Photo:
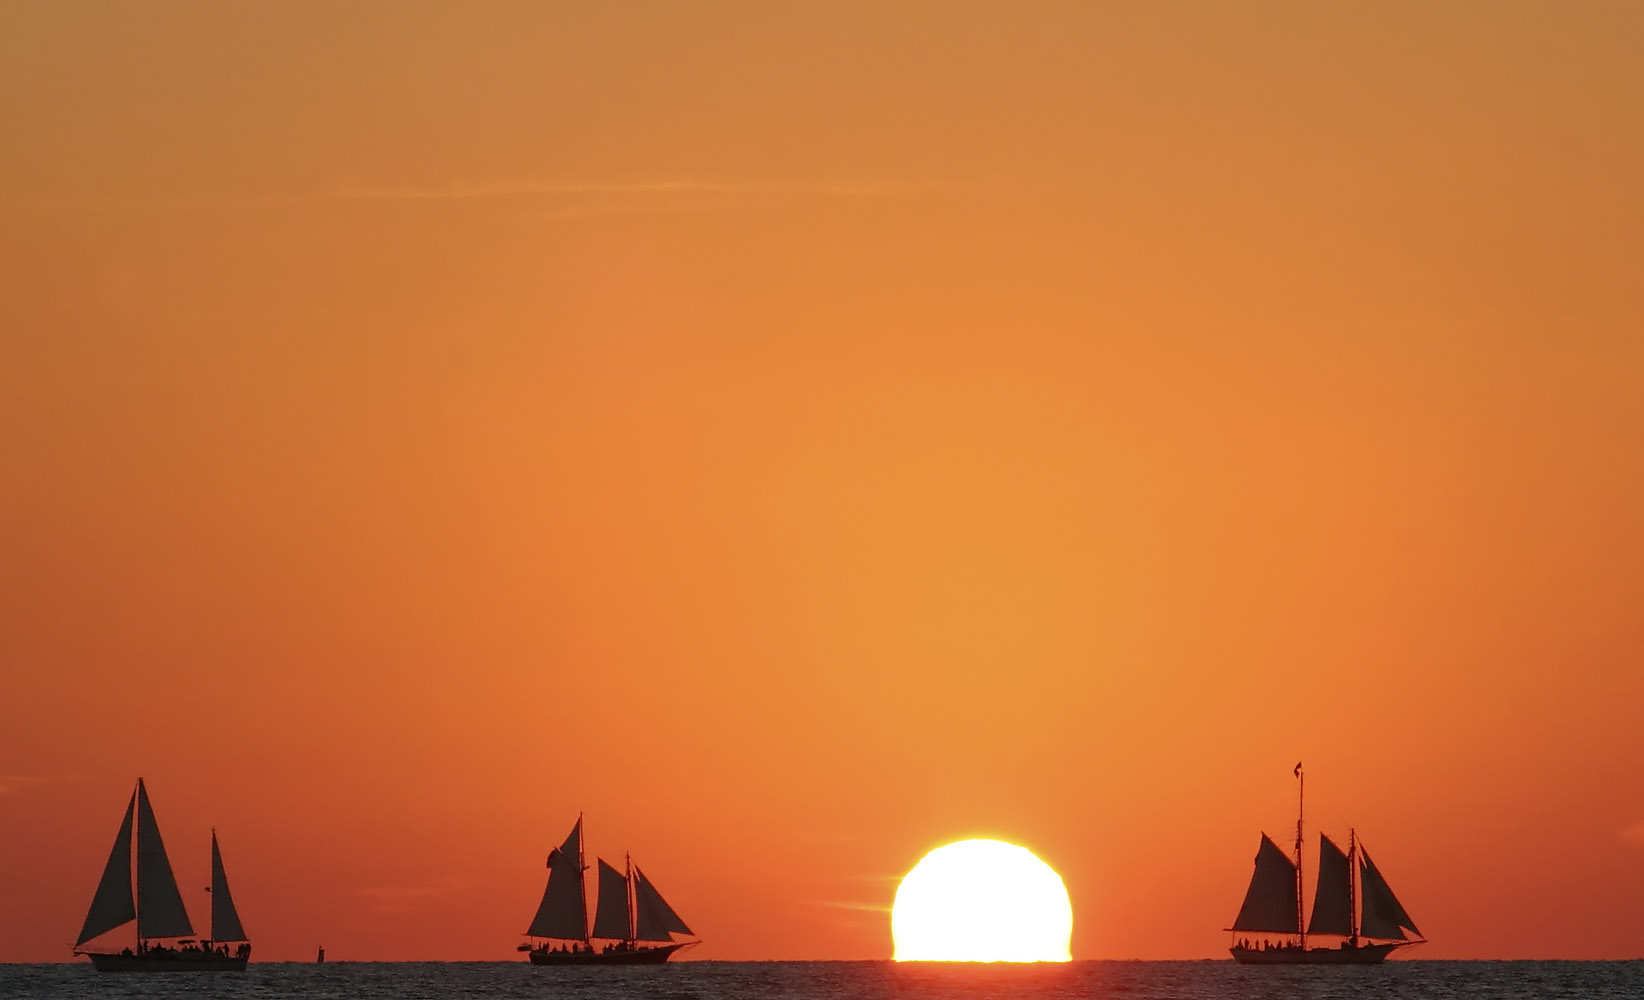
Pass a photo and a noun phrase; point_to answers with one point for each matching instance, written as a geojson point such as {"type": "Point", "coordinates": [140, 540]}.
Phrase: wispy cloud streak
{"type": "Point", "coordinates": [12, 784]}
{"type": "Point", "coordinates": [438, 887]}
{"type": "Point", "coordinates": [459, 190]}
{"type": "Point", "coordinates": [852, 905]}
{"type": "Point", "coordinates": [393, 899]}
{"type": "Point", "coordinates": [572, 198]}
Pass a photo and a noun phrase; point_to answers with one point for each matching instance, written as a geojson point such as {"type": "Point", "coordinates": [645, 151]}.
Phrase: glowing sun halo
{"type": "Point", "coordinates": [981, 901]}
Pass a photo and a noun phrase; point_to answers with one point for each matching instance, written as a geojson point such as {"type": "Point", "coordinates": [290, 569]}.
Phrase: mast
{"type": "Point", "coordinates": [1352, 899]}
{"type": "Point", "coordinates": [582, 883]}
{"type": "Point", "coordinates": [1301, 787]}
{"type": "Point", "coordinates": [137, 870]}
{"type": "Point", "coordinates": [633, 900]}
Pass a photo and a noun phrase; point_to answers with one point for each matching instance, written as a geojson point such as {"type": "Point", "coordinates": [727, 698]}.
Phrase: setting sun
{"type": "Point", "coordinates": [982, 901]}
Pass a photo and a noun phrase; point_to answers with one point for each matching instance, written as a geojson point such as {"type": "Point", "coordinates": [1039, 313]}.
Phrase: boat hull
{"type": "Point", "coordinates": [1368, 954]}
{"type": "Point", "coordinates": [173, 961]}
{"type": "Point", "coordinates": [635, 956]}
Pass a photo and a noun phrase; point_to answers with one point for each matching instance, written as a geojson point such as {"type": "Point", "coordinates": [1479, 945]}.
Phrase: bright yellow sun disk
{"type": "Point", "coordinates": [982, 901]}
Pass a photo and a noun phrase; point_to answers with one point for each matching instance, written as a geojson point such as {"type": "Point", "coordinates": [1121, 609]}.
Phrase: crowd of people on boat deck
{"type": "Point", "coordinates": [621, 946]}
{"type": "Point", "coordinates": [575, 947]}
{"type": "Point", "coordinates": [190, 949]}
{"type": "Point", "coordinates": [1263, 945]}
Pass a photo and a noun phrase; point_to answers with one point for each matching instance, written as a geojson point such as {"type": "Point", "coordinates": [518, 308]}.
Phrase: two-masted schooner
{"type": "Point", "coordinates": [633, 924]}
{"type": "Point", "coordinates": [165, 938]}
{"type": "Point", "coordinates": [1360, 917]}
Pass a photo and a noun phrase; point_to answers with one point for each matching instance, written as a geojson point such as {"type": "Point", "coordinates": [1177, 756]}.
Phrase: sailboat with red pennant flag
{"type": "Point", "coordinates": [1355, 912]}
{"type": "Point", "coordinates": [633, 924]}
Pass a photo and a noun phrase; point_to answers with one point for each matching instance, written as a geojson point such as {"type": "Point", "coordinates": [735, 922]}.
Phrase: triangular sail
{"type": "Point", "coordinates": [1381, 915]}
{"type": "Point", "coordinates": [1270, 902]}
{"type": "Point", "coordinates": [112, 905]}
{"type": "Point", "coordinates": [653, 917]}
{"type": "Point", "coordinates": [225, 920]}
{"type": "Point", "coordinates": [563, 912]}
{"type": "Point", "coordinates": [160, 912]}
{"type": "Point", "coordinates": [611, 912]}
{"type": "Point", "coordinates": [1332, 909]}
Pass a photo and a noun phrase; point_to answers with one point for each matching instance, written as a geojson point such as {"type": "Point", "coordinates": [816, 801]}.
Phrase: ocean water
{"type": "Point", "coordinates": [1219, 980]}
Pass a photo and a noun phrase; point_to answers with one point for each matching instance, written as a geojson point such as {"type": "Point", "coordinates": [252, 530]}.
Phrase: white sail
{"type": "Point", "coordinates": [1332, 909]}
{"type": "Point", "coordinates": [112, 905]}
{"type": "Point", "coordinates": [1270, 902]}
{"type": "Point", "coordinates": [563, 912]}
{"type": "Point", "coordinates": [653, 917]}
{"type": "Point", "coordinates": [1380, 915]}
{"type": "Point", "coordinates": [225, 920]}
{"type": "Point", "coordinates": [611, 912]}
{"type": "Point", "coordinates": [160, 912]}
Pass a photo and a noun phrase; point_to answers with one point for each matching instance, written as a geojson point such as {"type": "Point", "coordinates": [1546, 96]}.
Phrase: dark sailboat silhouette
{"type": "Point", "coordinates": [1361, 916]}
{"type": "Point", "coordinates": [632, 919]}
{"type": "Point", "coordinates": [157, 907]}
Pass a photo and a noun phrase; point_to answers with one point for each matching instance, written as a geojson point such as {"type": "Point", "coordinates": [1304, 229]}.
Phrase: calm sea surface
{"type": "Point", "coordinates": [1415, 980]}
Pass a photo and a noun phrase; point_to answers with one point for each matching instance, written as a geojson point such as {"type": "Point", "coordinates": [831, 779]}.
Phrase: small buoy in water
{"type": "Point", "coordinates": [321, 956]}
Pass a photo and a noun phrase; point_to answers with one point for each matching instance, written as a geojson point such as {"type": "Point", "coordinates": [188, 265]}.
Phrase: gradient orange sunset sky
{"type": "Point", "coordinates": [798, 435]}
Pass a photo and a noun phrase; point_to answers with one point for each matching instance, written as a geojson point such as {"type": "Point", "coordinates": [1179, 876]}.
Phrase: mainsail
{"type": "Point", "coordinates": [1332, 904]}
{"type": "Point", "coordinates": [653, 917]}
{"type": "Point", "coordinates": [225, 920]}
{"type": "Point", "coordinates": [563, 912]}
{"type": "Point", "coordinates": [1381, 916]}
{"type": "Point", "coordinates": [160, 912]}
{"type": "Point", "coordinates": [1270, 902]}
{"type": "Point", "coordinates": [112, 905]}
{"type": "Point", "coordinates": [611, 912]}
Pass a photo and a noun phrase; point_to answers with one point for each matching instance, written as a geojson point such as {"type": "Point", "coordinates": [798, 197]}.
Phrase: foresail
{"type": "Point", "coordinates": [1381, 915]}
{"type": "Point", "coordinates": [1270, 902]}
{"type": "Point", "coordinates": [160, 912]}
{"type": "Point", "coordinates": [1332, 909]}
{"type": "Point", "coordinates": [562, 912]}
{"type": "Point", "coordinates": [112, 905]}
{"type": "Point", "coordinates": [225, 920]}
{"type": "Point", "coordinates": [653, 917]}
{"type": "Point", "coordinates": [611, 912]}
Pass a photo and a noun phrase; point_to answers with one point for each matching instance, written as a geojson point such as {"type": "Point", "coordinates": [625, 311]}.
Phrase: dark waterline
{"type": "Point", "coordinates": [1219, 980]}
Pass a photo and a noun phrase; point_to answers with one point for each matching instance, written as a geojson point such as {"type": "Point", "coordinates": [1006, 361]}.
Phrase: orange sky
{"type": "Point", "coordinates": [799, 435]}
